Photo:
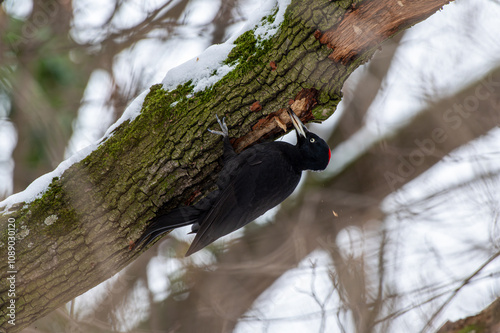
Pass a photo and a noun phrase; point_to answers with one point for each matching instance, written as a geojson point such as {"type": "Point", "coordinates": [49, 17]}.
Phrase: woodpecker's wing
{"type": "Point", "coordinates": [212, 226]}
{"type": "Point", "coordinates": [260, 178]}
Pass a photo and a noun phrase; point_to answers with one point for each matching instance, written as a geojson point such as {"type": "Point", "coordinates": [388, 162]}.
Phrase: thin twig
{"type": "Point", "coordinates": [455, 292]}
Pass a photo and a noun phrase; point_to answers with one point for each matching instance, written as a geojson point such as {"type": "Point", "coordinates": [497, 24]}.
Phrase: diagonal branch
{"type": "Point", "coordinates": [457, 290]}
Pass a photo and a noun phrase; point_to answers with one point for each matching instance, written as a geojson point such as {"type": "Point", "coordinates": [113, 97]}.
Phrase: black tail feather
{"type": "Point", "coordinates": [162, 224]}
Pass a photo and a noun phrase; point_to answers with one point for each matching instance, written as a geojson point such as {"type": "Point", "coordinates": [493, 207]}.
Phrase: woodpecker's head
{"type": "Point", "coordinates": [313, 149]}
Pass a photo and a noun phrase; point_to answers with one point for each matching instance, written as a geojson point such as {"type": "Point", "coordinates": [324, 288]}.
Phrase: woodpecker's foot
{"type": "Point", "coordinates": [223, 126]}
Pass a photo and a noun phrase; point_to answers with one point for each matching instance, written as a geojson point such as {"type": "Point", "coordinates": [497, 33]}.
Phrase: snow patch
{"type": "Point", "coordinates": [208, 68]}
{"type": "Point", "coordinates": [132, 111]}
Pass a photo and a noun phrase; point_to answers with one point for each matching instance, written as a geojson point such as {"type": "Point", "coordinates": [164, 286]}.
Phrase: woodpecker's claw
{"type": "Point", "coordinates": [222, 125]}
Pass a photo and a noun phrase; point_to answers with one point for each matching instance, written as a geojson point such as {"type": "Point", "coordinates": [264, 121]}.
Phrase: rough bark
{"type": "Point", "coordinates": [78, 233]}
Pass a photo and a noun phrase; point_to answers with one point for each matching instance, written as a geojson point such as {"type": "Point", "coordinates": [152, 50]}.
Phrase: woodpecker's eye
{"type": "Point", "coordinates": [311, 140]}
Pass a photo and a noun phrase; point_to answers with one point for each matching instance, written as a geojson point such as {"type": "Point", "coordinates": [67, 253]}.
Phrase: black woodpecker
{"type": "Point", "coordinates": [249, 184]}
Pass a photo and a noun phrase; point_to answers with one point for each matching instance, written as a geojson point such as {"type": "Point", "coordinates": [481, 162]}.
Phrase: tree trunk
{"type": "Point", "coordinates": [78, 233]}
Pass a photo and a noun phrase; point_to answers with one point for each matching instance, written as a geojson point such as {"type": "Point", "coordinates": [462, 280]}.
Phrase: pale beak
{"type": "Point", "coordinates": [299, 126]}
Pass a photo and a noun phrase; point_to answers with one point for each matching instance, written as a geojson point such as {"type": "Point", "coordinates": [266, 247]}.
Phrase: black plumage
{"type": "Point", "coordinates": [249, 184]}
